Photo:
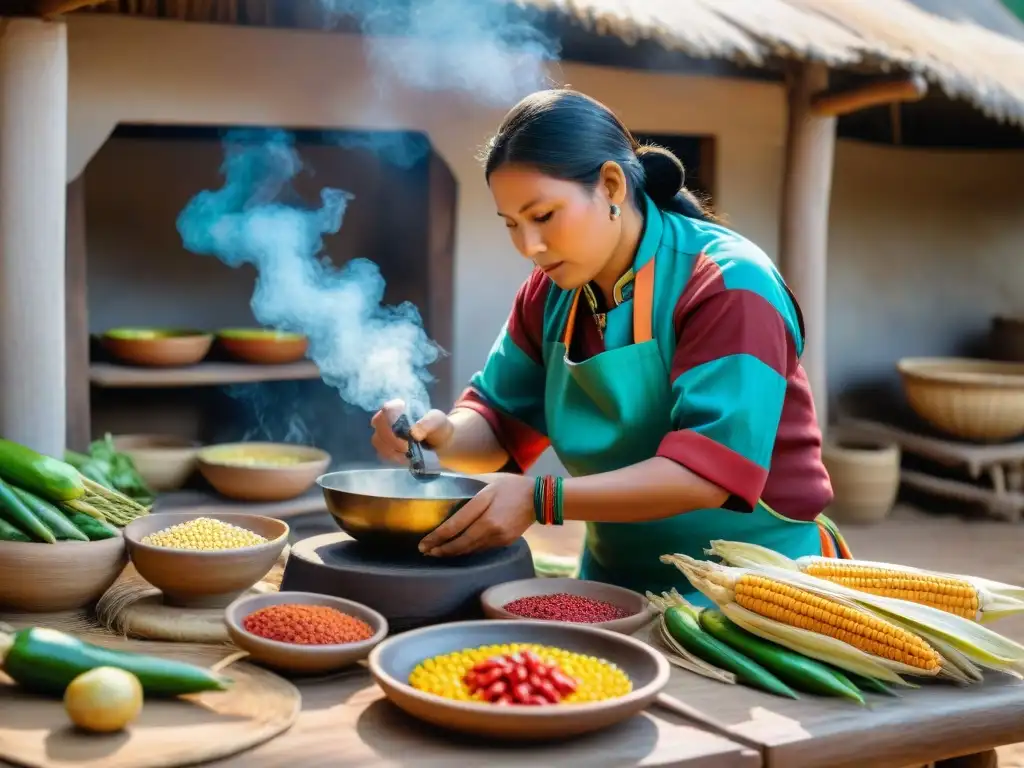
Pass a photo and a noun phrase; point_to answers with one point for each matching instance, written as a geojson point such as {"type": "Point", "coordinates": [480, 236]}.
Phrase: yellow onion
{"type": "Point", "coordinates": [104, 699]}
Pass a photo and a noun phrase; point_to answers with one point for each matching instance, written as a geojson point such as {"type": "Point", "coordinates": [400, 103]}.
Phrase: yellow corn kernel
{"type": "Point", "coordinates": [204, 534]}
{"type": "Point", "coordinates": [806, 610]}
{"type": "Point", "coordinates": [597, 680]}
{"type": "Point", "coordinates": [949, 594]}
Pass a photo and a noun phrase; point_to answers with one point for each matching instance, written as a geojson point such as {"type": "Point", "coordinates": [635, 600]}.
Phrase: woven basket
{"type": "Point", "coordinates": [980, 400]}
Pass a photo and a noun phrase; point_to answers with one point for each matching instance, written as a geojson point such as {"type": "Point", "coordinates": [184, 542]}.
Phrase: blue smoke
{"type": "Point", "coordinates": [484, 48]}
{"type": "Point", "coordinates": [368, 352]}
{"type": "Point", "coordinates": [399, 148]}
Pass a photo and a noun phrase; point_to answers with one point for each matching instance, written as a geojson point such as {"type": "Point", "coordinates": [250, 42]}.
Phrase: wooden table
{"type": "Point", "coordinates": [931, 723]}
{"type": "Point", "coordinates": [346, 721]}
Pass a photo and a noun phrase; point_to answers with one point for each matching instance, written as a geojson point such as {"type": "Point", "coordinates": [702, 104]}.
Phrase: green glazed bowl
{"type": "Point", "coordinates": [157, 347]}
{"type": "Point", "coordinates": [263, 346]}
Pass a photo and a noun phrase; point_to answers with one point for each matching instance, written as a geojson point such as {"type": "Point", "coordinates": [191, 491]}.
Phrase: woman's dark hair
{"type": "Point", "coordinates": [570, 136]}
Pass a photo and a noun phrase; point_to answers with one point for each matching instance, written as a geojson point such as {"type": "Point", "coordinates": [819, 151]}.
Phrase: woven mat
{"type": "Point", "coordinates": [134, 608]}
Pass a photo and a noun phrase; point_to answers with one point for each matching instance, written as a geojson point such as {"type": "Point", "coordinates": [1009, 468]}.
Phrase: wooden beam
{"type": "Point", "coordinates": [48, 8]}
{"type": "Point", "coordinates": [76, 326]}
{"type": "Point", "coordinates": [803, 230]}
{"type": "Point", "coordinates": [877, 93]}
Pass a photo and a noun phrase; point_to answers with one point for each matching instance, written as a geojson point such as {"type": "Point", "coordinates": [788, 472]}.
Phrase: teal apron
{"type": "Point", "coordinates": [613, 410]}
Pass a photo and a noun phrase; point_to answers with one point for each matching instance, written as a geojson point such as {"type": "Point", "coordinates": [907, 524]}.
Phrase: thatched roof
{"type": "Point", "coordinates": [970, 49]}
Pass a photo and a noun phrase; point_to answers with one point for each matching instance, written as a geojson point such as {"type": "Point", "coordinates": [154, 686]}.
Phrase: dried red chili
{"type": "Point", "coordinates": [565, 607]}
{"type": "Point", "coordinates": [306, 625]}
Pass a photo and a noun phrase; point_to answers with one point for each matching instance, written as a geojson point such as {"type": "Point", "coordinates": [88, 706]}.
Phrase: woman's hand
{"type": "Point", "coordinates": [495, 517]}
{"type": "Point", "coordinates": [434, 431]}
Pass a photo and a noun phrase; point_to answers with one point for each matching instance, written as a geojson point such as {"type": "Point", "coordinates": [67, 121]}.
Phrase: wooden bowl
{"type": "Point", "coordinates": [302, 659]}
{"type": "Point", "coordinates": [165, 462]}
{"type": "Point", "coordinates": [980, 400]}
{"type": "Point", "coordinates": [393, 661]}
{"type": "Point", "coordinates": [263, 346]}
{"type": "Point", "coordinates": [196, 579]}
{"type": "Point", "coordinates": [246, 471]}
{"type": "Point", "coordinates": [157, 347]}
{"type": "Point", "coordinates": [66, 576]}
{"type": "Point", "coordinates": [495, 598]}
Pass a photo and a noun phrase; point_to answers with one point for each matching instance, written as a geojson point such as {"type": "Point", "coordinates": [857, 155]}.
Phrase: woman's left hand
{"type": "Point", "coordinates": [495, 517]}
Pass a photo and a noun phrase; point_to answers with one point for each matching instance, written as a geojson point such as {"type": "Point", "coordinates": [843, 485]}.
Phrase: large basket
{"type": "Point", "coordinates": [981, 400]}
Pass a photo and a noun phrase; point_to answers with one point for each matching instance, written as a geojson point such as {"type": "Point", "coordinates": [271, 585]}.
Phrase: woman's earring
{"type": "Point", "coordinates": [614, 212]}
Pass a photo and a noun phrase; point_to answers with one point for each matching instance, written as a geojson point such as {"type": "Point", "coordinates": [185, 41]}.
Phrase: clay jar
{"type": "Point", "coordinates": [865, 479]}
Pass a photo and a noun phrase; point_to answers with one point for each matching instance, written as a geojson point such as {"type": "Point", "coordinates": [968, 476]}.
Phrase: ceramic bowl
{"type": "Point", "coordinates": [165, 462]}
{"type": "Point", "coordinates": [262, 346]}
{"type": "Point", "coordinates": [157, 347]}
{"type": "Point", "coordinates": [494, 599]}
{"type": "Point", "coordinates": [196, 579]}
{"type": "Point", "coordinates": [66, 576]}
{"type": "Point", "coordinates": [262, 472]}
{"type": "Point", "coordinates": [393, 661]}
{"type": "Point", "coordinates": [302, 659]}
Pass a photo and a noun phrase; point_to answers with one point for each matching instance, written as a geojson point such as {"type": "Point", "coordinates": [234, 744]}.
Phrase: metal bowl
{"type": "Point", "coordinates": [390, 508]}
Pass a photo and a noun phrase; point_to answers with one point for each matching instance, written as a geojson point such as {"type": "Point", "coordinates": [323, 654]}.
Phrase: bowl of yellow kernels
{"type": "Point", "coordinates": [518, 680]}
{"type": "Point", "coordinates": [204, 560]}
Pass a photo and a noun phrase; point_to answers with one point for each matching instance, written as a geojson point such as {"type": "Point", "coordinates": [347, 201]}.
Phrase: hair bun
{"type": "Point", "coordinates": [663, 173]}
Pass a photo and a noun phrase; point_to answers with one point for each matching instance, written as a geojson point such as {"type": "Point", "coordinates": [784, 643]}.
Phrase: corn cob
{"type": "Point", "coordinates": [965, 596]}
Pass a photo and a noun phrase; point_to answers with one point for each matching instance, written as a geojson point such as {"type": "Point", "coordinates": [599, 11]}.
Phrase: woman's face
{"type": "Point", "coordinates": [561, 226]}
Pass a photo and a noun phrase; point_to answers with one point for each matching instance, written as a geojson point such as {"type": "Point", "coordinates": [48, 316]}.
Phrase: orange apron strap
{"type": "Point", "coordinates": [570, 324]}
{"type": "Point", "coordinates": [832, 542]}
{"type": "Point", "coordinates": [643, 304]}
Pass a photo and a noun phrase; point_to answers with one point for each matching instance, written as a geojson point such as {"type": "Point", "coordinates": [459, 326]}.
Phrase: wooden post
{"type": "Point", "coordinates": [79, 410]}
{"type": "Point", "coordinates": [807, 188]}
{"type": "Point", "coordinates": [33, 167]}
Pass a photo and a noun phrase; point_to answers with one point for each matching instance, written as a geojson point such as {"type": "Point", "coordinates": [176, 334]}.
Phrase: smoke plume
{"type": "Point", "coordinates": [368, 351]}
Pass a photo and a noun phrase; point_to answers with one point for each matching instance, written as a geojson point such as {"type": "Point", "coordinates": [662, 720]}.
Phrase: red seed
{"type": "Point", "coordinates": [496, 691]}
{"type": "Point", "coordinates": [562, 606]}
{"type": "Point", "coordinates": [522, 693]}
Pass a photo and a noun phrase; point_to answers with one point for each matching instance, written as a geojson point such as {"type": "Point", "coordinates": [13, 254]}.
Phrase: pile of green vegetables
{"type": "Point", "coordinates": [705, 641]}
{"type": "Point", "coordinates": [43, 499]}
{"type": "Point", "coordinates": [115, 471]}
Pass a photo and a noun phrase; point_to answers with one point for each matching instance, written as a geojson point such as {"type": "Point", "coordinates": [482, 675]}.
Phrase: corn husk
{"type": "Point", "coordinates": [702, 574]}
{"type": "Point", "coordinates": [995, 599]}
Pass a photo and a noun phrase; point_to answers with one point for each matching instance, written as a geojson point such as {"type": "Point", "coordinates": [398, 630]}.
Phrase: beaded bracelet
{"type": "Point", "coordinates": [547, 500]}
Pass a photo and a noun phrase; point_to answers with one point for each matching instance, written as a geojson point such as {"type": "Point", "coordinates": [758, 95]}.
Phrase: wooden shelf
{"type": "Point", "coordinates": [111, 375]}
{"type": "Point", "coordinates": [310, 502]}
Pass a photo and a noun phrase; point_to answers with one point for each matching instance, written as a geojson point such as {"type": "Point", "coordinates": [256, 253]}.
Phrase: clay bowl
{"type": "Point", "coordinates": [66, 576]}
{"type": "Point", "coordinates": [302, 659]}
{"type": "Point", "coordinates": [165, 462]}
{"type": "Point", "coordinates": [263, 346]}
{"type": "Point", "coordinates": [194, 579]}
{"type": "Point", "coordinates": [493, 599]}
{"type": "Point", "coordinates": [157, 347]}
{"type": "Point", "coordinates": [393, 661]}
{"type": "Point", "coordinates": [389, 509]}
{"type": "Point", "coordinates": [262, 472]}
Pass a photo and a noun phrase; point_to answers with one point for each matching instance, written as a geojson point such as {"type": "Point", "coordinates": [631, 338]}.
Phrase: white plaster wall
{"type": "Point", "coordinates": [167, 72]}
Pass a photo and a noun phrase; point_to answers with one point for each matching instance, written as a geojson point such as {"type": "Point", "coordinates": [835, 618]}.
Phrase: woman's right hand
{"type": "Point", "coordinates": [433, 431]}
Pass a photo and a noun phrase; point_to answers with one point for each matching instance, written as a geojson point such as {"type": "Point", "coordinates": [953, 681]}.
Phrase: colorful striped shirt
{"type": "Point", "coordinates": [731, 335]}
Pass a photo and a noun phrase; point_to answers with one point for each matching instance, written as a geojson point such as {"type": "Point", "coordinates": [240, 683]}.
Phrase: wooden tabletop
{"type": "Point", "coordinates": [936, 721]}
{"type": "Point", "coordinates": [346, 721]}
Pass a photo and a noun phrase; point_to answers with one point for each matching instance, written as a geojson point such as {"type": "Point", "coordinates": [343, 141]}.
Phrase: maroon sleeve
{"type": "Point", "coordinates": [508, 393]}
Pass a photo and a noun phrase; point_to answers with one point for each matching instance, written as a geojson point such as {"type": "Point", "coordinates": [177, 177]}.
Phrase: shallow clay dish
{"type": "Point", "coordinates": [196, 579]}
{"type": "Point", "coordinates": [164, 461]}
{"type": "Point", "coordinates": [302, 659]}
{"type": "Point", "coordinates": [263, 346]}
{"type": "Point", "coordinates": [45, 578]}
{"type": "Point", "coordinates": [262, 471]}
{"type": "Point", "coordinates": [494, 599]}
{"type": "Point", "coordinates": [157, 347]}
{"type": "Point", "coordinates": [393, 661]}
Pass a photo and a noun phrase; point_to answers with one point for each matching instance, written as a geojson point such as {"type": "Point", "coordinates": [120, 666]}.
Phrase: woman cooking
{"type": "Point", "coordinates": [655, 350]}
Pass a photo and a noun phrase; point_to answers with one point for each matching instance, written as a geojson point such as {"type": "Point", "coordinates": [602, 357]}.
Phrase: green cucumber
{"type": "Point", "coordinates": [869, 684]}
{"type": "Point", "coordinates": [685, 629]}
{"type": "Point", "coordinates": [45, 476]}
{"type": "Point", "coordinates": [802, 673]}
{"type": "Point", "coordinates": [45, 661]}
{"type": "Point", "coordinates": [96, 530]}
{"type": "Point", "coordinates": [17, 513]}
{"type": "Point", "coordinates": [50, 516]}
{"type": "Point", "coordinates": [9, 533]}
